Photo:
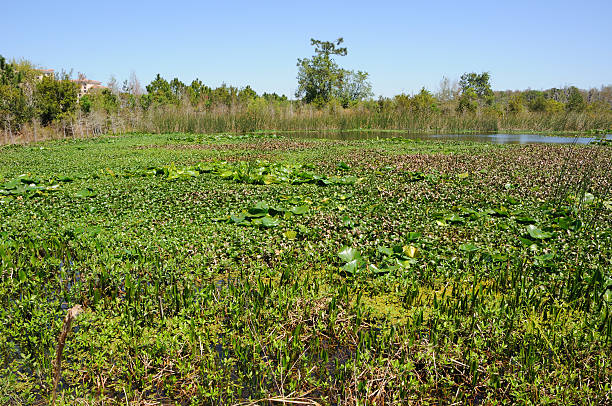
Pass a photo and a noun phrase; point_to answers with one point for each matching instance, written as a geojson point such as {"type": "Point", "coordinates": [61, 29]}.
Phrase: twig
{"type": "Point", "coordinates": [61, 341]}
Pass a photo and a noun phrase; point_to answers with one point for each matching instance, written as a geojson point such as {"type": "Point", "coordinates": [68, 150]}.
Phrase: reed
{"type": "Point", "coordinates": [297, 117]}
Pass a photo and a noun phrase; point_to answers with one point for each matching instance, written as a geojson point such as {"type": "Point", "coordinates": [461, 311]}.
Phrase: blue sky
{"type": "Point", "coordinates": [404, 45]}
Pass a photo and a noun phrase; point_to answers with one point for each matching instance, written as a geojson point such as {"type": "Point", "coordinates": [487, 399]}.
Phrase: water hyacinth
{"type": "Point", "coordinates": [336, 272]}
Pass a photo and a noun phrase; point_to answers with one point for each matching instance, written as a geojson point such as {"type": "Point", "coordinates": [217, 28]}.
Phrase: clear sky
{"type": "Point", "coordinates": [404, 45]}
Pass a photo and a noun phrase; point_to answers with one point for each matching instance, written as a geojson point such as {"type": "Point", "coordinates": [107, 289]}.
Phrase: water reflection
{"type": "Point", "coordinates": [494, 138]}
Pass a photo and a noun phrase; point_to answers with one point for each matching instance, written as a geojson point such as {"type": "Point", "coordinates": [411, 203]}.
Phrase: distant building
{"type": "Point", "coordinates": [85, 85]}
{"type": "Point", "coordinates": [45, 72]}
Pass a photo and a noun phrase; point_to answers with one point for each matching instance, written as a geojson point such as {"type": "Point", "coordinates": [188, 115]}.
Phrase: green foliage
{"type": "Point", "coordinates": [516, 104]}
{"type": "Point", "coordinates": [424, 101]}
{"type": "Point", "coordinates": [257, 173]}
{"type": "Point", "coordinates": [468, 101]}
{"type": "Point", "coordinates": [203, 284]}
{"type": "Point", "coordinates": [14, 109]}
{"type": "Point", "coordinates": [537, 104]}
{"type": "Point", "coordinates": [85, 103]}
{"type": "Point", "coordinates": [320, 78]}
{"type": "Point", "coordinates": [160, 92]}
{"type": "Point", "coordinates": [478, 83]}
{"type": "Point", "coordinates": [575, 102]}
{"type": "Point", "coordinates": [553, 106]}
{"type": "Point", "coordinates": [56, 99]}
{"type": "Point", "coordinates": [354, 87]}
{"type": "Point", "coordinates": [25, 102]}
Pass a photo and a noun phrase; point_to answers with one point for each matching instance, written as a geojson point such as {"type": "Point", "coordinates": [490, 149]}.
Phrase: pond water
{"type": "Point", "coordinates": [494, 138]}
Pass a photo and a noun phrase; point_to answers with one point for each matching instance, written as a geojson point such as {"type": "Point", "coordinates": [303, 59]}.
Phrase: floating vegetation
{"type": "Point", "coordinates": [370, 272]}
{"type": "Point", "coordinates": [27, 185]}
{"type": "Point", "coordinates": [256, 173]}
{"type": "Point", "coordinates": [263, 215]}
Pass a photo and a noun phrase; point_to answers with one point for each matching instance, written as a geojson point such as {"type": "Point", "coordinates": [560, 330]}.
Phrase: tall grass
{"type": "Point", "coordinates": [298, 117]}
{"type": "Point", "coordinates": [308, 118]}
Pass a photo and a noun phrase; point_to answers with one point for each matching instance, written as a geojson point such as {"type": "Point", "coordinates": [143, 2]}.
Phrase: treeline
{"type": "Point", "coordinates": [35, 106]}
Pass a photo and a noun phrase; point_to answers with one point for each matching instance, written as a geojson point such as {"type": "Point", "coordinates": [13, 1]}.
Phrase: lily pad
{"type": "Point", "coordinates": [413, 236]}
{"type": "Point", "coordinates": [468, 247]}
{"type": "Point", "coordinates": [85, 192]}
{"type": "Point", "coordinates": [348, 254]}
{"type": "Point", "coordinates": [270, 221]}
{"type": "Point", "coordinates": [537, 233]}
{"type": "Point", "coordinates": [385, 250]}
{"type": "Point", "coordinates": [299, 210]}
{"type": "Point", "coordinates": [525, 219]}
{"type": "Point", "coordinates": [410, 251]}
{"type": "Point", "coordinates": [351, 267]}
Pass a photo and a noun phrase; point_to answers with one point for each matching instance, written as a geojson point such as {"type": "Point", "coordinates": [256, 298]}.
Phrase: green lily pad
{"type": "Point", "coordinates": [545, 258]}
{"type": "Point", "coordinates": [588, 198]}
{"type": "Point", "coordinates": [537, 233]}
{"type": "Point", "coordinates": [413, 236]}
{"type": "Point", "coordinates": [385, 250]}
{"type": "Point", "coordinates": [85, 192]}
{"type": "Point", "coordinates": [501, 211]}
{"type": "Point", "coordinates": [410, 251]}
{"type": "Point", "coordinates": [270, 221]}
{"type": "Point", "coordinates": [468, 247]}
{"type": "Point", "coordinates": [351, 267]}
{"type": "Point", "coordinates": [299, 210]}
{"type": "Point", "coordinates": [348, 254]}
{"type": "Point", "coordinates": [237, 219]}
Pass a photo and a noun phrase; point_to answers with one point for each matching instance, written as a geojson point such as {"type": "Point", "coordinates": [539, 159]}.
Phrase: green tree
{"type": "Point", "coordinates": [159, 91]}
{"type": "Point", "coordinates": [245, 95]}
{"type": "Point", "coordinates": [424, 102]}
{"type": "Point", "coordinates": [14, 107]}
{"type": "Point", "coordinates": [319, 75]}
{"type": "Point", "coordinates": [178, 89]}
{"type": "Point", "coordinates": [480, 84]}
{"type": "Point", "coordinates": [55, 99]}
{"type": "Point", "coordinates": [105, 100]}
{"type": "Point", "coordinates": [198, 93]}
{"type": "Point", "coordinates": [553, 106]}
{"type": "Point", "coordinates": [575, 101]}
{"type": "Point", "coordinates": [516, 104]}
{"type": "Point", "coordinates": [354, 87]}
{"type": "Point", "coordinates": [224, 94]}
{"type": "Point", "coordinates": [273, 97]}
{"type": "Point", "coordinates": [85, 103]}
{"type": "Point", "coordinates": [538, 103]}
{"type": "Point", "coordinates": [468, 101]}
{"type": "Point", "coordinates": [320, 78]}
{"type": "Point", "coordinates": [475, 90]}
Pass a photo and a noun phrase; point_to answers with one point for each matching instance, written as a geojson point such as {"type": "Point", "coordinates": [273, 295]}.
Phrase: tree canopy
{"type": "Point", "coordinates": [321, 79]}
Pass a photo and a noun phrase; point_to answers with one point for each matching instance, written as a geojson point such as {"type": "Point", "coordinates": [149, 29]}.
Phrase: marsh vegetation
{"type": "Point", "coordinates": [224, 269]}
{"type": "Point", "coordinates": [36, 106]}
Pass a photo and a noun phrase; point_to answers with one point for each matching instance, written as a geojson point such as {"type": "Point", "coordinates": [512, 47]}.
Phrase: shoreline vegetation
{"type": "Point", "coordinates": [36, 106]}
{"type": "Point", "coordinates": [307, 119]}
